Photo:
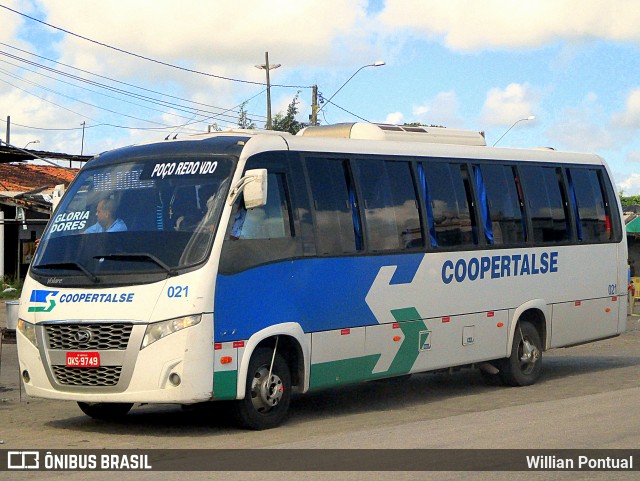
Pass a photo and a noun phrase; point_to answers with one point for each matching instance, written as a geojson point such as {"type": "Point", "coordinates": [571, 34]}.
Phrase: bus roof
{"type": "Point", "coordinates": [355, 138]}
{"type": "Point", "coordinates": [304, 142]}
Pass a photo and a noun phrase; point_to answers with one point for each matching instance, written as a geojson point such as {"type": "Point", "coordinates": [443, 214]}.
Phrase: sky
{"type": "Point", "coordinates": [85, 76]}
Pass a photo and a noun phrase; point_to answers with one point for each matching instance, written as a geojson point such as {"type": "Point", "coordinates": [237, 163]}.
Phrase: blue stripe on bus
{"type": "Point", "coordinates": [320, 294]}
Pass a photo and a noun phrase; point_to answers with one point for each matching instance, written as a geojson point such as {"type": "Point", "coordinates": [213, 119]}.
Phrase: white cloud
{"type": "Point", "coordinates": [197, 33]}
{"type": "Point", "coordinates": [9, 28]}
{"type": "Point", "coordinates": [441, 110]}
{"type": "Point", "coordinates": [630, 185]}
{"type": "Point", "coordinates": [505, 106]}
{"type": "Point", "coordinates": [222, 38]}
{"type": "Point", "coordinates": [630, 117]}
{"type": "Point", "coordinates": [582, 128]}
{"type": "Point", "coordinates": [395, 118]}
{"type": "Point", "coordinates": [634, 156]}
{"type": "Point", "coordinates": [491, 24]}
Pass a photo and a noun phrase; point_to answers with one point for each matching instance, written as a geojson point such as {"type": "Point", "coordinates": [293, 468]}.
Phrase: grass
{"type": "Point", "coordinates": [7, 292]}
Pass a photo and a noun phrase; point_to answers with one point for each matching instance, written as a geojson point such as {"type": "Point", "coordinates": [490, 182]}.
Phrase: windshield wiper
{"type": "Point", "coordinates": [138, 256]}
{"type": "Point", "coordinates": [70, 264]}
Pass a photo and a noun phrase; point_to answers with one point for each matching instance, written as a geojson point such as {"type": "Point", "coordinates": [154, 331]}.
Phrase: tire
{"type": "Point", "coordinates": [524, 366]}
{"type": "Point", "coordinates": [265, 404]}
{"type": "Point", "coordinates": [105, 411]}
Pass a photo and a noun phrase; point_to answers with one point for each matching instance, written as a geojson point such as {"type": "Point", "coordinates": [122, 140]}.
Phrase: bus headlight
{"type": "Point", "coordinates": [158, 330]}
{"type": "Point", "coordinates": [28, 330]}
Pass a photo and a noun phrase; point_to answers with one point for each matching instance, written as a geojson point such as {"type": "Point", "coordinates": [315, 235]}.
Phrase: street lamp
{"type": "Point", "coordinates": [32, 142]}
{"type": "Point", "coordinates": [379, 63]}
{"type": "Point", "coordinates": [266, 66]}
{"type": "Point", "coordinates": [531, 117]}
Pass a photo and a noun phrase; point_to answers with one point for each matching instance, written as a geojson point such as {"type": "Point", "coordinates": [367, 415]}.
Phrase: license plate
{"type": "Point", "coordinates": [83, 359]}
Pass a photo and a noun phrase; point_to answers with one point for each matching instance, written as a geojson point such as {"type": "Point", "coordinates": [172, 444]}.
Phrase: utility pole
{"type": "Point", "coordinates": [82, 145]}
{"type": "Point", "coordinates": [266, 66]}
{"type": "Point", "coordinates": [314, 105]}
{"type": "Point", "coordinates": [8, 136]}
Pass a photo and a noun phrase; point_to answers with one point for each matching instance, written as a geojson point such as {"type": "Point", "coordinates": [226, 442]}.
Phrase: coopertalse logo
{"type": "Point", "coordinates": [43, 299]}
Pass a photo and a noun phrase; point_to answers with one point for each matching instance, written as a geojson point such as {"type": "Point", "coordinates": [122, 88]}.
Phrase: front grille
{"type": "Point", "coordinates": [102, 336]}
{"type": "Point", "coordinates": [101, 376]}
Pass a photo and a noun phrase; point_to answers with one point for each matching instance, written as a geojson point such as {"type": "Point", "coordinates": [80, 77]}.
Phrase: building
{"type": "Point", "coordinates": [27, 193]}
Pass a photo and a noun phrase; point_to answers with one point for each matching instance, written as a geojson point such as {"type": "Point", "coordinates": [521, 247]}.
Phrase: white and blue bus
{"type": "Point", "coordinates": [248, 265]}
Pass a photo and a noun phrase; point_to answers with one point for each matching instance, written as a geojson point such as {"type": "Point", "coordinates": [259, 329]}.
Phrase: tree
{"type": "Point", "coordinates": [419, 124]}
{"type": "Point", "coordinates": [243, 121]}
{"type": "Point", "coordinates": [287, 122]}
{"type": "Point", "coordinates": [630, 200]}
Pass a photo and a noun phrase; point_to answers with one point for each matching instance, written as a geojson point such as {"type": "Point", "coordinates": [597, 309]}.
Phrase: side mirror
{"type": "Point", "coordinates": [255, 191]}
{"type": "Point", "coordinates": [254, 186]}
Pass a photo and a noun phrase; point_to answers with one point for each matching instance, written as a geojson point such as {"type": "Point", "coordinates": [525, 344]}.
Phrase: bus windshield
{"type": "Point", "coordinates": [137, 221]}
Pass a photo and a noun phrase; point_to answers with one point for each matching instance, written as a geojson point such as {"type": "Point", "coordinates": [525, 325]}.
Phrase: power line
{"type": "Point", "coordinates": [72, 98]}
{"type": "Point", "coordinates": [149, 59]}
{"type": "Point", "coordinates": [119, 99]}
{"type": "Point", "coordinates": [157, 129]}
{"type": "Point", "coordinates": [343, 109]}
{"type": "Point", "coordinates": [145, 98]}
{"type": "Point", "coordinates": [216, 115]}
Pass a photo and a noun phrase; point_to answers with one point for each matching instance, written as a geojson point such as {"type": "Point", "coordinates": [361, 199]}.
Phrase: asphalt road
{"type": "Point", "coordinates": [588, 397]}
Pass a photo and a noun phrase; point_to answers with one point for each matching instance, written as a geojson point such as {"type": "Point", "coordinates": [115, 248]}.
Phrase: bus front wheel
{"type": "Point", "coordinates": [268, 391]}
{"type": "Point", "coordinates": [524, 366]}
{"type": "Point", "coordinates": [105, 411]}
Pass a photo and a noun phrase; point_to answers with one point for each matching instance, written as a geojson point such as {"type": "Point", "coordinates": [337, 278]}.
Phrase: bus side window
{"type": "Point", "coordinates": [448, 203]}
{"type": "Point", "coordinates": [593, 218]}
{"type": "Point", "coordinates": [269, 222]}
{"type": "Point", "coordinates": [546, 204]}
{"type": "Point", "coordinates": [261, 235]}
{"type": "Point", "coordinates": [390, 204]}
{"type": "Point", "coordinates": [335, 229]}
{"type": "Point", "coordinates": [499, 204]}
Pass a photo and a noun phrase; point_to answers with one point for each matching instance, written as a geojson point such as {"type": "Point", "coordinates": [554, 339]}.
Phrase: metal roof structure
{"type": "Point", "coordinates": [633, 227]}
{"type": "Point", "coordinates": [9, 154]}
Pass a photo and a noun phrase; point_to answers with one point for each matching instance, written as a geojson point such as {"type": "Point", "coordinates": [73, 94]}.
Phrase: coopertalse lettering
{"type": "Point", "coordinates": [497, 267]}
{"type": "Point", "coordinates": [123, 297]}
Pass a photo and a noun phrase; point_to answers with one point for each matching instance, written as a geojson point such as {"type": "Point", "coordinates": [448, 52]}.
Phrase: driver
{"type": "Point", "coordinates": [107, 221]}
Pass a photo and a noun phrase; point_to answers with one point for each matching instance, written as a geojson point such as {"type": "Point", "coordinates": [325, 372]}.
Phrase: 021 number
{"type": "Point", "coordinates": [178, 291]}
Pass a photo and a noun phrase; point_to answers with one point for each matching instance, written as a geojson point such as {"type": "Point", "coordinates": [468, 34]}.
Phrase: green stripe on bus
{"type": "Point", "coordinates": [345, 371]}
{"type": "Point", "coordinates": [406, 314]}
{"type": "Point", "coordinates": [225, 384]}
{"type": "Point", "coordinates": [409, 350]}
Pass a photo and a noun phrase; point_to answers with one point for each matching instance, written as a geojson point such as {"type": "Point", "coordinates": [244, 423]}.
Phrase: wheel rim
{"type": "Point", "coordinates": [529, 355]}
{"type": "Point", "coordinates": [266, 392]}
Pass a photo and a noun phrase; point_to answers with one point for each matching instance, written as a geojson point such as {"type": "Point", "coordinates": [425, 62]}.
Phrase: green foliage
{"type": "Point", "coordinates": [418, 124]}
{"type": "Point", "coordinates": [243, 121]}
{"type": "Point", "coordinates": [7, 291]}
{"type": "Point", "coordinates": [286, 122]}
{"type": "Point", "coordinates": [629, 200]}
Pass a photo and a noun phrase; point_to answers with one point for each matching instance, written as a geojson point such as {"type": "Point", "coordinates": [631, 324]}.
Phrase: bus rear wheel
{"type": "Point", "coordinates": [524, 366]}
{"type": "Point", "coordinates": [105, 411]}
{"type": "Point", "coordinates": [268, 392]}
